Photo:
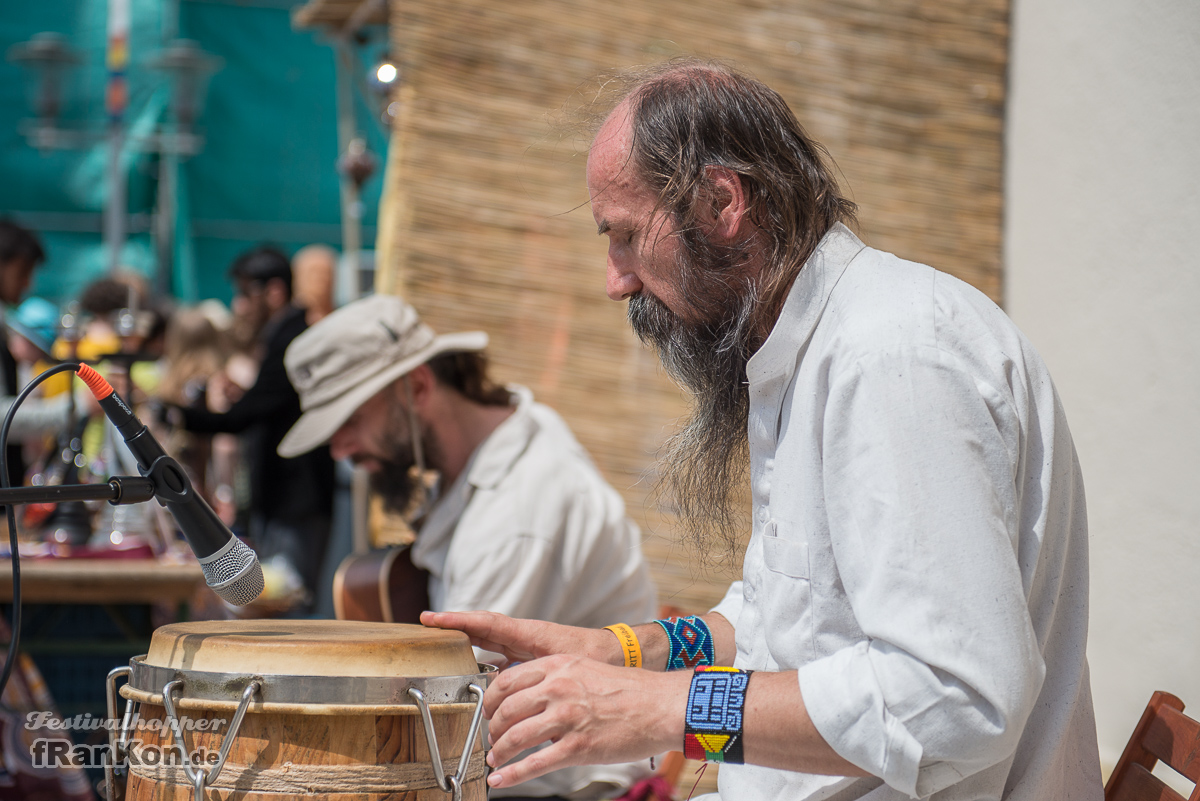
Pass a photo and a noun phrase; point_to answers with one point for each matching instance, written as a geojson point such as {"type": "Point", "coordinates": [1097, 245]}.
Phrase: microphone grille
{"type": "Point", "coordinates": [234, 573]}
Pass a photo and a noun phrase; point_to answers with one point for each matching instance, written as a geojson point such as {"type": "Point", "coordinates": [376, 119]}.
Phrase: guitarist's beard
{"type": "Point", "coordinates": [398, 480]}
{"type": "Point", "coordinates": [395, 483]}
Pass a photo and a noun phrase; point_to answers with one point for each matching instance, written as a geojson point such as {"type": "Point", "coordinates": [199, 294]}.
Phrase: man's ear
{"type": "Point", "coordinates": [421, 381]}
{"type": "Point", "coordinates": [727, 207]}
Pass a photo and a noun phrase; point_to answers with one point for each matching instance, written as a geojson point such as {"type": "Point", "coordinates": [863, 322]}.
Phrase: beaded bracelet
{"type": "Point", "coordinates": [631, 649]}
{"type": "Point", "coordinates": [712, 730]}
{"type": "Point", "coordinates": [691, 642]}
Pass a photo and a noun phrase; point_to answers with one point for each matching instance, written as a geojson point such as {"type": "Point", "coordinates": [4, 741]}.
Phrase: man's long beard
{"type": "Point", "coordinates": [702, 465]}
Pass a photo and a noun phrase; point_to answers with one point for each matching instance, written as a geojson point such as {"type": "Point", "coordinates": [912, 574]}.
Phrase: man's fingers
{"type": "Point", "coordinates": [487, 630]}
{"type": "Point", "coordinates": [500, 648]}
{"type": "Point", "coordinates": [522, 640]}
{"type": "Point", "coordinates": [536, 764]}
{"type": "Point", "coordinates": [513, 707]}
{"type": "Point", "coordinates": [523, 729]}
{"type": "Point", "coordinates": [473, 624]}
{"type": "Point", "coordinates": [524, 735]}
{"type": "Point", "coordinates": [507, 685]}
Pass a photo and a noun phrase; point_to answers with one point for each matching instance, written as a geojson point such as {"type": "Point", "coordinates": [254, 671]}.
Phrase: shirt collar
{"type": "Point", "coordinates": [487, 467]}
{"type": "Point", "coordinates": [496, 455]}
{"type": "Point", "coordinates": [805, 302]}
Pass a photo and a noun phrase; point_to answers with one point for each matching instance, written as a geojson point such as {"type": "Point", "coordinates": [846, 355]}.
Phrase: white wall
{"type": "Point", "coordinates": [1103, 275]}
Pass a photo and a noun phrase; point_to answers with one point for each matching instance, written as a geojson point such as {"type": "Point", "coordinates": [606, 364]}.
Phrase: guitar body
{"type": "Point", "coordinates": [380, 586]}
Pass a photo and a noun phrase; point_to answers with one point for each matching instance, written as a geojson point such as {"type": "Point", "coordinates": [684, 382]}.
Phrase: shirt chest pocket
{"type": "Point", "coordinates": [785, 550]}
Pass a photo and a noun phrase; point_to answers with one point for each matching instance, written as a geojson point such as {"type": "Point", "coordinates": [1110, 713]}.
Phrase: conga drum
{"type": "Point", "coordinates": [267, 710]}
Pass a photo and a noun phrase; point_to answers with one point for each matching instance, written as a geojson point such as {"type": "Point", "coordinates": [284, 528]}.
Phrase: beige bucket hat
{"type": "Point", "coordinates": [342, 361]}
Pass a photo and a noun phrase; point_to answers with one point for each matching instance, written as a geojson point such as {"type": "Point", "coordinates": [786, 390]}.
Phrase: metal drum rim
{"type": "Point", "coordinates": [292, 690]}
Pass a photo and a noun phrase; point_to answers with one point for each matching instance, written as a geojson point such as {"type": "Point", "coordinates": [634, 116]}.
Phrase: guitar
{"type": "Point", "coordinates": [381, 586]}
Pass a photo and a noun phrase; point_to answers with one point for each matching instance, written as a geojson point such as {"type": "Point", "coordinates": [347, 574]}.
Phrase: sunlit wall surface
{"type": "Point", "coordinates": [1103, 211]}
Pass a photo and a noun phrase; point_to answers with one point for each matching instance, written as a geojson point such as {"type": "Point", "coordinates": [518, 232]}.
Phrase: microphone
{"type": "Point", "coordinates": [230, 568]}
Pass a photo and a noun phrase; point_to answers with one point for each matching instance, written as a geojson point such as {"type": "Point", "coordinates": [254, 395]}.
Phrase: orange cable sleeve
{"type": "Point", "coordinates": [95, 382]}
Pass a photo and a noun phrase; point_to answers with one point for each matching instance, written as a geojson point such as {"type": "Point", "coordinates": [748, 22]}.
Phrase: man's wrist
{"type": "Point", "coordinates": [607, 648]}
{"type": "Point", "coordinates": [655, 646]}
{"type": "Point", "coordinates": [631, 649]}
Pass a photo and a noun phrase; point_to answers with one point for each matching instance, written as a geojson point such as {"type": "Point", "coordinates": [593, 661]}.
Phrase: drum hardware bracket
{"type": "Point", "coordinates": [117, 743]}
{"type": "Point", "coordinates": [201, 777]}
{"type": "Point", "coordinates": [452, 784]}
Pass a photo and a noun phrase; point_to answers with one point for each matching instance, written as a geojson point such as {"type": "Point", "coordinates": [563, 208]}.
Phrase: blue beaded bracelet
{"type": "Point", "coordinates": [714, 718]}
{"type": "Point", "coordinates": [691, 642]}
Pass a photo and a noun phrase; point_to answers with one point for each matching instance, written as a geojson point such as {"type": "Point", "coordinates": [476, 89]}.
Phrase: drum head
{"type": "Point", "coordinates": [312, 648]}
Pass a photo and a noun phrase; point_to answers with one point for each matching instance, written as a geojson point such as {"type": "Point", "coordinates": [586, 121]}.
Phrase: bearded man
{"type": "Point", "coordinates": [521, 521]}
{"type": "Point", "coordinates": [912, 617]}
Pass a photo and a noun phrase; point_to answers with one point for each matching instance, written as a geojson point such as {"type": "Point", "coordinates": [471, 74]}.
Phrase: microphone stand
{"type": "Point", "coordinates": [119, 491]}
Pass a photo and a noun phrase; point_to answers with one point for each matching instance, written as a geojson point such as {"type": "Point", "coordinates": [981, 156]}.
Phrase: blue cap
{"type": "Point", "coordinates": [36, 319]}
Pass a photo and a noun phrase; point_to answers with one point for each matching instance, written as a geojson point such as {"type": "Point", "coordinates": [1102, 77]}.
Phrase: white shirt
{"type": "Point", "coordinates": [531, 529]}
{"type": "Point", "coordinates": [919, 550]}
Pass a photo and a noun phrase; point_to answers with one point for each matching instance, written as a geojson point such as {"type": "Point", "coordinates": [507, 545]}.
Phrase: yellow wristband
{"type": "Point", "coordinates": [629, 644]}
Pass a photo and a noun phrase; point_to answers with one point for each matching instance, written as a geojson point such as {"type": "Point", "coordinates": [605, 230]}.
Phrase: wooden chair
{"type": "Point", "coordinates": [1164, 733]}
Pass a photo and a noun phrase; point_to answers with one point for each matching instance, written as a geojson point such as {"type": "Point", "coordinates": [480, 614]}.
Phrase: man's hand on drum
{"type": "Point", "coordinates": [523, 640]}
{"type": "Point", "coordinates": [593, 713]}
{"type": "Point", "coordinates": [572, 689]}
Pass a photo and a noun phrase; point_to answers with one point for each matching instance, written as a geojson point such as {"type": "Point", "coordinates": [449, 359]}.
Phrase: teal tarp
{"type": "Point", "coordinates": [267, 170]}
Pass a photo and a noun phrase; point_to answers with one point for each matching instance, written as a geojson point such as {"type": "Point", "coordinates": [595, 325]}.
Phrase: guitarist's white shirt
{"type": "Point", "coordinates": [532, 530]}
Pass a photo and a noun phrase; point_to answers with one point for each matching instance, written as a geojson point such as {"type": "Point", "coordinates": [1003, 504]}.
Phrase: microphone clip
{"type": "Point", "coordinates": [171, 482]}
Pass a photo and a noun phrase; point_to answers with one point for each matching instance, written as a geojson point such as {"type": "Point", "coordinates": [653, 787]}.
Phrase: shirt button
{"type": "Point", "coordinates": [748, 592]}
{"type": "Point", "coordinates": [763, 514]}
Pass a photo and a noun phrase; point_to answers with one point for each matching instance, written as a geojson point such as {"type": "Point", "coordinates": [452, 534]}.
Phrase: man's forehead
{"type": "Point", "coordinates": [609, 154]}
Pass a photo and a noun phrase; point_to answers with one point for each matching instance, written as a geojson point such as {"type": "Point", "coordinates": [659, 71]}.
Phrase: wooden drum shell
{"type": "Point", "coordinates": [339, 744]}
{"type": "Point", "coordinates": [272, 746]}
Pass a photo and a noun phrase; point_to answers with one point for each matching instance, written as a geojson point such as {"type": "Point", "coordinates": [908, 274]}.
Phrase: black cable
{"type": "Point", "coordinates": [12, 518]}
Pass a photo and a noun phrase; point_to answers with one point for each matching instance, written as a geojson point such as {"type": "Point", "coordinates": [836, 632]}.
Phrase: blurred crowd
{"type": "Point", "coordinates": [208, 379]}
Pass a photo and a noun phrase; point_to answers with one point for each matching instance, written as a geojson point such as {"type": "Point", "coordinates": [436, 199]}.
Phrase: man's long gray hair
{"type": "Point", "coordinates": [688, 116]}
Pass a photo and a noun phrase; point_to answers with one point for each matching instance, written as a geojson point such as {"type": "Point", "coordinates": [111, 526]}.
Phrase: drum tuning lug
{"type": "Point", "coordinates": [200, 778]}
{"type": "Point", "coordinates": [117, 741]}
{"type": "Point", "coordinates": [198, 786]}
{"type": "Point", "coordinates": [452, 784]}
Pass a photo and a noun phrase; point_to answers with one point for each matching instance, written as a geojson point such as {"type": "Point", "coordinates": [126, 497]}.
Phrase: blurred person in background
{"type": "Point", "coordinates": [33, 329]}
{"type": "Point", "coordinates": [32, 332]}
{"type": "Point", "coordinates": [230, 482]}
{"type": "Point", "coordinates": [138, 337]}
{"type": "Point", "coordinates": [20, 254]}
{"type": "Point", "coordinates": [194, 352]}
{"type": "Point", "coordinates": [291, 500]}
{"type": "Point", "coordinates": [43, 416]}
{"type": "Point", "coordinates": [313, 270]}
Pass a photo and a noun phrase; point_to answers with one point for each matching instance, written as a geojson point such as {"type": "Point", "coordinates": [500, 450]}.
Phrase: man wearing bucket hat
{"type": "Point", "coordinates": [521, 521]}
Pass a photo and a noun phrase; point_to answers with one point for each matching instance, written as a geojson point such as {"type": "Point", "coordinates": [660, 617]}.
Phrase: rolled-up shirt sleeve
{"type": "Point", "coordinates": [920, 481]}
